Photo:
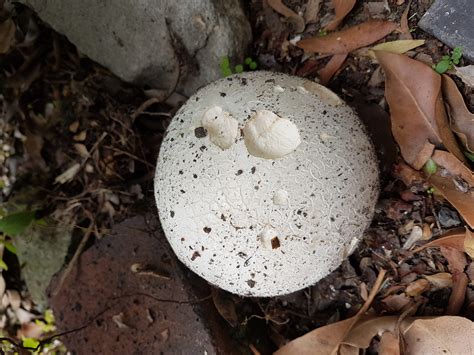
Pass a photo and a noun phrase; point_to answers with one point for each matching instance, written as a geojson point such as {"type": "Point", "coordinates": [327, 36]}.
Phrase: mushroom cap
{"type": "Point", "coordinates": [265, 227]}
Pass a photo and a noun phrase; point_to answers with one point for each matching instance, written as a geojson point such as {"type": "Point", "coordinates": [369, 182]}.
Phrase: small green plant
{"type": "Point", "coordinates": [430, 167]}
{"type": "Point", "coordinates": [226, 69]}
{"type": "Point", "coordinates": [322, 32]}
{"type": "Point", "coordinates": [447, 61]}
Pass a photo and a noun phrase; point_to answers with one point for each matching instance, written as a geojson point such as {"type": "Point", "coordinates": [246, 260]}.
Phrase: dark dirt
{"type": "Point", "coordinates": [113, 179]}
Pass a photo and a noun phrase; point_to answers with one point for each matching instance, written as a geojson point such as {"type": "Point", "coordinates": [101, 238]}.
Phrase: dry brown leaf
{"type": "Point", "coordinates": [400, 46]}
{"type": "Point", "coordinates": [293, 17]}
{"type": "Point", "coordinates": [469, 243]}
{"type": "Point", "coordinates": [326, 73]}
{"type": "Point", "coordinates": [462, 121]}
{"type": "Point", "coordinates": [407, 174]}
{"type": "Point", "coordinates": [462, 201]}
{"type": "Point", "coordinates": [453, 165]}
{"type": "Point", "coordinates": [389, 344]}
{"type": "Point", "coordinates": [311, 13]}
{"type": "Point", "coordinates": [440, 280]}
{"type": "Point", "coordinates": [417, 287]}
{"type": "Point", "coordinates": [362, 333]}
{"type": "Point", "coordinates": [456, 259]}
{"type": "Point", "coordinates": [341, 9]}
{"type": "Point", "coordinates": [453, 238]}
{"type": "Point", "coordinates": [225, 306]}
{"type": "Point", "coordinates": [412, 89]}
{"type": "Point", "coordinates": [440, 336]}
{"type": "Point", "coordinates": [458, 294]}
{"type": "Point", "coordinates": [328, 339]}
{"type": "Point", "coordinates": [466, 74]}
{"type": "Point", "coordinates": [404, 28]}
{"type": "Point", "coordinates": [346, 41]}
{"type": "Point", "coordinates": [7, 35]}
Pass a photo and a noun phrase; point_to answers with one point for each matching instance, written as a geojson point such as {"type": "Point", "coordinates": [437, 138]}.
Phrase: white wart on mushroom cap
{"type": "Point", "coordinates": [261, 225]}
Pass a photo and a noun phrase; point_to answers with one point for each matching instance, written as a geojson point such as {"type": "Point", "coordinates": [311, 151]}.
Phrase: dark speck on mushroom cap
{"type": "Point", "coordinates": [331, 180]}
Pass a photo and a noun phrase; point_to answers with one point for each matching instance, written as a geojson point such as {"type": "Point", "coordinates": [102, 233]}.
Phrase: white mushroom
{"type": "Point", "coordinates": [277, 208]}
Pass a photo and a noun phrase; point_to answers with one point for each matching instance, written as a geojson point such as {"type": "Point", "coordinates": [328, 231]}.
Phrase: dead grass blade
{"type": "Point", "coordinates": [326, 73]}
{"type": "Point", "coordinates": [412, 89]}
{"type": "Point", "coordinates": [462, 121]}
{"type": "Point", "coordinates": [346, 41]}
{"type": "Point", "coordinates": [341, 8]}
{"type": "Point", "coordinates": [293, 17]}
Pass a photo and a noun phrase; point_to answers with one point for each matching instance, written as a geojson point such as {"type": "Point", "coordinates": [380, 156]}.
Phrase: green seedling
{"type": "Point", "coordinates": [322, 33]}
{"type": "Point", "coordinates": [16, 223]}
{"type": "Point", "coordinates": [430, 167]}
{"type": "Point", "coordinates": [447, 61]}
{"type": "Point", "coordinates": [470, 156]}
{"type": "Point", "coordinates": [226, 68]}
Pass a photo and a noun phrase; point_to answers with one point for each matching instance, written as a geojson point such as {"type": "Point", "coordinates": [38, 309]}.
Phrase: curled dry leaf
{"type": "Point", "coordinates": [440, 280]}
{"type": "Point", "coordinates": [417, 287]}
{"type": "Point", "coordinates": [469, 243]}
{"type": "Point", "coordinates": [225, 306]}
{"type": "Point", "coordinates": [311, 13]}
{"type": "Point", "coordinates": [389, 344]}
{"type": "Point", "coordinates": [293, 17]}
{"type": "Point", "coordinates": [453, 238]}
{"type": "Point", "coordinates": [462, 121]}
{"type": "Point", "coordinates": [412, 89]}
{"type": "Point", "coordinates": [346, 41]}
{"type": "Point", "coordinates": [399, 46]}
{"type": "Point", "coordinates": [453, 165]}
{"type": "Point", "coordinates": [326, 73]}
{"type": "Point", "coordinates": [404, 28]}
{"type": "Point", "coordinates": [341, 8]}
{"type": "Point", "coordinates": [462, 201]}
{"type": "Point", "coordinates": [7, 35]}
{"type": "Point", "coordinates": [466, 74]}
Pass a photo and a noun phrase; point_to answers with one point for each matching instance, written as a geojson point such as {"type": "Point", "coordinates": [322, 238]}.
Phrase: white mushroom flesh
{"type": "Point", "coordinates": [269, 136]}
{"type": "Point", "coordinates": [221, 127]}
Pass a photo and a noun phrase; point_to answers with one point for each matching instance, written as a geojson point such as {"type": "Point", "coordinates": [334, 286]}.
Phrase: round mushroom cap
{"type": "Point", "coordinates": [249, 217]}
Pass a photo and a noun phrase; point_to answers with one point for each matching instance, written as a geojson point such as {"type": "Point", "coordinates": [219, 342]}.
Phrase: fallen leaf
{"type": "Point", "coordinates": [7, 35]}
{"type": "Point", "coordinates": [68, 175]}
{"type": "Point", "coordinates": [453, 165]}
{"type": "Point", "coordinates": [453, 238]}
{"type": "Point", "coordinates": [407, 174]}
{"type": "Point", "coordinates": [400, 46]}
{"type": "Point", "coordinates": [293, 17]}
{"type": "Point", "coordinates": [311, 13]}
{"type": "Point", "coordinates": [440, 280]}
{"type": "Point", "coordinates": [469, 243]}
{"type": "Point", "coordinates": [462, 121]}
{"type": "Point", "coordinates": [412, 89]}
{"type": "Point", "coordinates": [361, 335]}
{"type": "Point", "coordinates": [225, 306]}
{"type": "Point", "coordinates": [404, 28]}
{"type": "Point", "coordinates": [417, 287]}
{"type": "Point", "coordinates": [341, 9]}
{"type": "Point", "coordinates": [389, 344]}
{"type": "Point", "coordinates": [440, 336]}
{"type": "Point", "coordinates": [346, 41]}
{"type": "Point", "coordinates": [326, 73]}
{"type": "Point", "coordinates": [466, 74]}
{"type": "Point", "coordinates": [395, 303]}
{"type": "Point", "coordinates": [462, 201]}
{"type": "Point", "coordinates": [457, 263]}
{"type": "Point", "coordinates": [328, 339]}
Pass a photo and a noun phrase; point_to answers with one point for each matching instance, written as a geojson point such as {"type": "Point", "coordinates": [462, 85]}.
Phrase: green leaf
{"type": "Point", "coordinates": [10, 247]}
{"type": "Point", "coordinates": [470, 156]}
{"type": "Point", "coordinates": [226, 72]}
{"type": "Point", "coordinates": [30, 343]}
{"type": "Point", "coordinates": [225, 63]}
{"type": "Point", "coordinates": [49, 316]}
{"type": "Point", "coordinates": [322, 33]}
{"type": "Point", "coordinates": [239, 68]}
{"type": "Point", "coordinates": [443, 66]}
{"type": "Point", "coordinates": [248, 60]}
{"type": "Point", "coordinates": [253, 66]}
{"type": "Point", "coordinates": [456, 55]}
{"type": "Point", "coordinates": [16, 223]}
{"type": "Point", "coordinates": [3, 265]}
{"type": "Point", "coordinates": [430, 167]}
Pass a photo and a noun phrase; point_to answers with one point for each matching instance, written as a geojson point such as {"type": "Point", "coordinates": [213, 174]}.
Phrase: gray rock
{"type": "Point", "coordinates": [41, 251]}
{"type": "Point", "coordinates": [154, 42]}
{"type": "Point", "coordinates": [451, 22]}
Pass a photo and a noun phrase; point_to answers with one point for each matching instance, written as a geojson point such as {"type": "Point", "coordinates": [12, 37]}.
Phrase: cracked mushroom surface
{"type": "Point", "coordinates": [278, 203]}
